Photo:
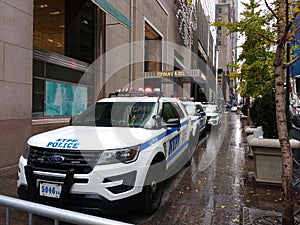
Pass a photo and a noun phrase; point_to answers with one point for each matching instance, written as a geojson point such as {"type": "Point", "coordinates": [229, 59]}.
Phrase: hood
{"type": "Point", "coordinates": [92, 138]}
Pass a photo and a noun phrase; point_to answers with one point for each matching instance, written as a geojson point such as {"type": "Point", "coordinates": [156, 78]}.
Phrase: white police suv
{"type": "Point", "coordinates": [198, 117]}
{"type": "Point", "coordinates": [119, 150]}
{"type": "Point", "coordinates": [213, 114]}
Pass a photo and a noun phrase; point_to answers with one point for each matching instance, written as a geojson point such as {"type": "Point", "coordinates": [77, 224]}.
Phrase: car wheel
{"type": "Point", "coordinates": [203, 135]}
{"type": "Point", "coordinates": [190, 151]}
{"type": "Point", "coordinates": [153, 188]}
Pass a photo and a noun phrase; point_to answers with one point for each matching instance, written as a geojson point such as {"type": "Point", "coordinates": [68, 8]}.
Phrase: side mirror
{"type": "Point", "coordinates": [173, 122]}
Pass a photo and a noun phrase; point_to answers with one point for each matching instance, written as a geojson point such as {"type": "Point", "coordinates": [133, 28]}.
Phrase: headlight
{"type": "Point", "coordinates": [27, 152]}
{"type": "Point", "coordinates": [124, 155]}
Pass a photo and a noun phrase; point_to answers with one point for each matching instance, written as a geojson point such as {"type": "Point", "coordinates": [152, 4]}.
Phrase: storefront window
{"type": "Point", "coordinates": [64, 41]}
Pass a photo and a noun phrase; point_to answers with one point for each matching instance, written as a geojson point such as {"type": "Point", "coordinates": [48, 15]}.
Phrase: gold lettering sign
{"type": "Point", "coordinates": [177, 73]}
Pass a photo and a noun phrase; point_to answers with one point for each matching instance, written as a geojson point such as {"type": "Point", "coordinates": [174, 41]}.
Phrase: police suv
{"type": "Point", "coordinates": [198, 117]}
{"type": "Point", "coordinates": [120, 149]}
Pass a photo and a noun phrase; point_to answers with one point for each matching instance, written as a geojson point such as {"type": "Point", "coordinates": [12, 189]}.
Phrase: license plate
{"type": "Point", "coordinates": [52, 190]}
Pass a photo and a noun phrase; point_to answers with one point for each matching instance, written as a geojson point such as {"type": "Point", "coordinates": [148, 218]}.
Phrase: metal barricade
{"type": "Point", "coordinates": [56, 214]}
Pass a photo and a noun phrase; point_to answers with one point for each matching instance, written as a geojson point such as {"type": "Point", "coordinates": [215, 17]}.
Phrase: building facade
{"type": "Point", "coordinates": [58, 57]}
{"type": "Point", "coordinates": [204, 61]}
{"type": "Point", "coordinates": [226, 11]}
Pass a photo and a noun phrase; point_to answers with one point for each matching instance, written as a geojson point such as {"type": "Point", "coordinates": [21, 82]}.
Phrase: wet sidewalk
{"type": "Point", "coordinates": [217, 189]}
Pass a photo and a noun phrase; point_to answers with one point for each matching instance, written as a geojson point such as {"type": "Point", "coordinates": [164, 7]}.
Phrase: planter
{"type": "Point", "coordinates": [268, 158]}
{"type": "Point", "coordinates": [249, 131]}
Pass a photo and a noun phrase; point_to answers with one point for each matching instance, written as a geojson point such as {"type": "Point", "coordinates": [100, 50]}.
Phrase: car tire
{"type": "Point", "coordinates": [153, 187]}
{"type": "Point", "coordinates": [190, 151]}
{"type": "Point", "coordinates": [204, 132]}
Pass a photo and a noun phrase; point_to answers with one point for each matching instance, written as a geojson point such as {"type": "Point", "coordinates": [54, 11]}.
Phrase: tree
{"type": "Point", "coordinates": [285, 13]}
{"type": "Point", "coordinates": [282, 14]}
{"type": "Point", "coordinates": [256, 60]}
{"type": "Point", "coordinates": [255, 63]}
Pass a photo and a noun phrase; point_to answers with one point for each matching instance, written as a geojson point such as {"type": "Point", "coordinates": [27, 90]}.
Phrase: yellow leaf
{"type": "Point", "coordinates": [235, 220]}
{"type": "Point", "coordinates": [223, 206]}
{"type": "Point", "coordinates": [248, 200]}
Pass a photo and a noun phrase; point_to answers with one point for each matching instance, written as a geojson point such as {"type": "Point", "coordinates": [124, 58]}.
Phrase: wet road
{"type": "Point", "coordinates": [209, 191]}
{"type": "Point", "coordinates": [212, 191]}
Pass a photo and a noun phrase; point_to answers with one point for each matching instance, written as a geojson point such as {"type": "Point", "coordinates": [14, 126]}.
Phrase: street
{"type": "Point", "coordinates": [212, 190]}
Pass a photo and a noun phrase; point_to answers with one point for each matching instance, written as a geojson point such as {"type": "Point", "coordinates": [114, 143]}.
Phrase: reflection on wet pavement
{"type": "Point", "coordinates": [216, 186]}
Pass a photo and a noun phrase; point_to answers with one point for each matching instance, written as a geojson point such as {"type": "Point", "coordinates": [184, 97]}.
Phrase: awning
{"type": "Point", "coordinates": [111, 10]}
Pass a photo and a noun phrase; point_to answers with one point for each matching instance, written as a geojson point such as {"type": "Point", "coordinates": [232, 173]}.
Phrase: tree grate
{"type": "Point", "coordinates": [271, 220]}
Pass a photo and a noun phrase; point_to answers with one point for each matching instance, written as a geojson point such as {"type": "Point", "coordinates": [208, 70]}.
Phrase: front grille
{"type": "Point", "coordinates": [82, 162]}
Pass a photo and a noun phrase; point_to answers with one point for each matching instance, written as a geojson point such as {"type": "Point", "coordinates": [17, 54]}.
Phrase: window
{"type": "Point", "coordinates": [178, 109]}
{"type": "Point", "coordinates": [118, 114]}
{"type": "Point", "coordinates": [169, 112]}
{"type": "Point", "coordinates": [64, 45]}
{"type": "Point", "coordinates": [153, 49]}
{"type": "Point", "coordinates": [199, 108]}
{"type": "Point", "coordinates": [63, 26]}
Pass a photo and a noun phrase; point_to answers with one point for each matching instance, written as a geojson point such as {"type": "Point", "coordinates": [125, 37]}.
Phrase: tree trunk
{"type": "Point", "coordinates": [248, 111]}
{"type": "Point", "coordinates": [287, 160]}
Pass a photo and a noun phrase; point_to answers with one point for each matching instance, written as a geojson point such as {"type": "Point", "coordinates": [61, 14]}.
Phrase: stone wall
{"type": "Point", "coordinates": [15, 79]}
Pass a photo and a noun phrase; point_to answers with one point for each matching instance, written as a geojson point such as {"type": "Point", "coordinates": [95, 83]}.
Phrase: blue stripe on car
{"type": "Point", "coordinates": [161, 136]}
{"type": "Point", "coordinates": [179, 149]}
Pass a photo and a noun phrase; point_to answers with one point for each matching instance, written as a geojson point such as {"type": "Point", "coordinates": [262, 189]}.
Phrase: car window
{"type": "Point", "coordinates": [178, 109]}
{"type": "Point", "coordinates": [118, 114]}
{"type": "Point", "coordinates": [211, 108]}
{"type": "Point", "coordinates": [169, 111]}
{"type": "Point", "coordinates": [191, 109]}
{"type": "Point", "coordinates": [199, 108]}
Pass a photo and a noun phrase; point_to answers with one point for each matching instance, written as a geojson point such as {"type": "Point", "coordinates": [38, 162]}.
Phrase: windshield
{"type": "Point", "coordinates": [190, 108]}
{"type": "Point", "coordinates": [118, 114]}
{"type": "Point", "coordinates": [211, 108]}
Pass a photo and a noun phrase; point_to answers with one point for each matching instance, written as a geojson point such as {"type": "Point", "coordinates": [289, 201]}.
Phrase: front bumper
{"type": "Point", "coordinates": [213, 121]}
{"type": "Point", "coordinates": [88, 203]}
{"type": "Point", "coordinates": [105, 189]}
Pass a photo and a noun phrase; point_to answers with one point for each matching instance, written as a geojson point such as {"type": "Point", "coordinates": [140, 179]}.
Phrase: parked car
{"type": "Point", "coordinates": [213, 114]}
{"type": "Point", "coordinates": [114, 156]}
{"type": "Point", "coordinates": [198, 117]}
{"type": "Point", "coordinates": [234, 108]}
